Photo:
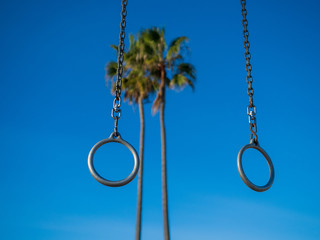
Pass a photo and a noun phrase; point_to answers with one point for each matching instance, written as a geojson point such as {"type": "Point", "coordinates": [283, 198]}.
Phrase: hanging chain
{"type": "Point", "coordinates": [251, 109]}
{"type": "Point", "coordinates": [116, 111]}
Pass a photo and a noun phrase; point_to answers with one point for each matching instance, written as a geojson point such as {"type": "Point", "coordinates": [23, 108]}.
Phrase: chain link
{"type": "Point", "coordinates": [121, 50]}
{"type": "Point", "coordinates": [116, 111]}
{"type": "Point", "coordinates": [251, 109]}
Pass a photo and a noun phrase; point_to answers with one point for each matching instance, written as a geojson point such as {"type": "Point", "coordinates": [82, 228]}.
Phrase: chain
{"type": "Point", "coordinates": [251, 109]}
{"type": "Point", "coordinates": [116, 111]}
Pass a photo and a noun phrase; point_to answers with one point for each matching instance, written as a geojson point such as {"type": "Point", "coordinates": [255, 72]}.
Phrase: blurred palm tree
{"type": "Point", "coordinates": [137, 87]}
{"type": "Point", "coordinates": [167, 67]}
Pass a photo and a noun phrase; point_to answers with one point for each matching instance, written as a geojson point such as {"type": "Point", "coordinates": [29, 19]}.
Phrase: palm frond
{"type": "Point", "coordinates": [144, 60]}
{"type": "Point", "coordinates": [187, 69]}
{"type": "Point", "coordinates": [115, 47]}
{"type": "Point", "coordinates": [184, 76]}
{"type": "Point", "coordinates": [175, 47]}
{"type": "Point", "coordinates": [111, 69]}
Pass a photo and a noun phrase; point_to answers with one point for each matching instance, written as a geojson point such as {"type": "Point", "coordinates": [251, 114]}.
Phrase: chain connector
{"type": "Point", "coordinates": [253, 129]}
{"type": "Point", "coordinates": [116, 113]}
{"type": "Point", "coordinates": [115, 126]}
{"type": "Point", "coordinates": [117, 103]}
{"type": "Point", "coordinates": [252, 111]}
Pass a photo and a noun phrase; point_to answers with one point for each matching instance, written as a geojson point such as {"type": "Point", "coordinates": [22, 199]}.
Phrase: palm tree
{"type": "Point", "coordinates": [167, 67]}
{"type": "Point", "coordinates": [137, 87]}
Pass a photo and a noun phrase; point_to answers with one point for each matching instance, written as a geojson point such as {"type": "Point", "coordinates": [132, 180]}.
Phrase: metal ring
{"type": "Point", "coordinates": [117, 139]}
{"type": "Point", "coordinates": [243, 175]}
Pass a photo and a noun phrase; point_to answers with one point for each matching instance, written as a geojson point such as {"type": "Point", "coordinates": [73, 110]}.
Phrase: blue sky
{"type": "Point", "coordinates": [55, 106]}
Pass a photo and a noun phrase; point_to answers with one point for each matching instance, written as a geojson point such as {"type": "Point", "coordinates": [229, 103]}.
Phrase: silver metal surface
{"type": "Point", "coordinates": [117, 100]}
{"type": "Point", "coordinates": [247, 53]}
{"type": "Point", "coordinates": [116, 111]}
{"type": "Point", "coordinates": [243, 176]}
{"type": "Point", "coordinates": [251, 109]}
{"type": "Point", "coordinates": [252, 114]}
{"type": "Point", "coordinates": [114, 137]}
{"type": "Point", "coordinates": [116, 114]}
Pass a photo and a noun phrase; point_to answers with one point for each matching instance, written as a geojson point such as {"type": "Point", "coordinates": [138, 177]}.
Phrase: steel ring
{"type": "Point", "coordinates": [243, 175]}
{"type": "Point", "coordinates": [95, 174]}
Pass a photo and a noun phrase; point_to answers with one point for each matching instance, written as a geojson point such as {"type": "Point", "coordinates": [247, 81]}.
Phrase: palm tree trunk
{"type": "Point", "coordinates": [164, 175]}
{"type": "Point", "coordinates": [140, 176]}
{"type": "Point", "coordinates": [162, 89]}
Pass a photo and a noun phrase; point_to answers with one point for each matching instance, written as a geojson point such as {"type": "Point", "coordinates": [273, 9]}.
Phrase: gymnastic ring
{"type": "Point", "coordinates": [114, 137]}
{"type": "Point", "coordinates": [243, 176]}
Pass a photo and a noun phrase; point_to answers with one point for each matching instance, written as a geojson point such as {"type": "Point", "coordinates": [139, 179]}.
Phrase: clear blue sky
{"type": "Point", "coordinates": [55, 107]}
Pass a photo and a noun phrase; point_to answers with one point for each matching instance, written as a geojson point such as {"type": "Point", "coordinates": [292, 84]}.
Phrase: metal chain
{"type": "Point", "coordinates": [251, 109]}
{"type": "Point", "coordinates": [116, 111]}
